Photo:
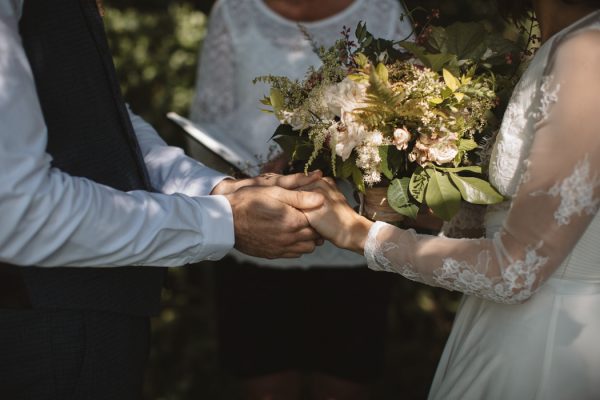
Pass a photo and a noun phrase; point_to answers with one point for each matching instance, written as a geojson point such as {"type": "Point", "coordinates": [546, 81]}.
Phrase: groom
{"type": "Point", "coordinates": [85, 183]}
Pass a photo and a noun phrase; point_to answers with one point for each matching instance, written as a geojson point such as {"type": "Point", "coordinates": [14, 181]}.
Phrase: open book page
{"type": "Point", "coordinates": [221, 145]}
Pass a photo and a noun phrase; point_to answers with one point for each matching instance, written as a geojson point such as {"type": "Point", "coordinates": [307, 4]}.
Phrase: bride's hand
{"type": "Point", "coordinates": [335, 220]}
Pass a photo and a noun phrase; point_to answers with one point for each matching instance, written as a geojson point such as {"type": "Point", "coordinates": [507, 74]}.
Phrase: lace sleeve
{"type": "Point", "coordinates": [557, 199]}
{"type": "Point", "coordinates": [467, 223]}
{"type": "Point", "coordinates": [215, 98]}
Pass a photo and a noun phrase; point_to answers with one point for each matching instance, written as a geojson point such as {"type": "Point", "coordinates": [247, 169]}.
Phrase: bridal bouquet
{"type": "Point", "coordinates": [406, 116]}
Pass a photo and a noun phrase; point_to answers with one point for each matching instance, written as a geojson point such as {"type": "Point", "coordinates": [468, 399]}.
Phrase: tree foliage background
{"type": "Point", "coordinates": [155, 45]}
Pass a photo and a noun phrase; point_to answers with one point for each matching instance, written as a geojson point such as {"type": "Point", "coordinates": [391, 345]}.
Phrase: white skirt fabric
{"type": "Point", "coordinates": [547, 348]}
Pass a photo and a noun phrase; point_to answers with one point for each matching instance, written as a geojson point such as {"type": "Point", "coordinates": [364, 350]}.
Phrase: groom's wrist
{"type": "Point", "coordinates": [226, 186]}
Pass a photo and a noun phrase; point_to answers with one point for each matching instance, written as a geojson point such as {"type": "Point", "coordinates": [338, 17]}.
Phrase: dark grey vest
{"type": "Point", "coordinates": [89, 135]}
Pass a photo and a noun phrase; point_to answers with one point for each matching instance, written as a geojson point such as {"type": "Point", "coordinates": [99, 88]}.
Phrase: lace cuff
{"type": "Point", "coordinates": [372, 250]}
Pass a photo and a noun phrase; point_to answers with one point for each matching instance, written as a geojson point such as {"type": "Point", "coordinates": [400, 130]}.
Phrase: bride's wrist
{"type": "Point", "coordinates": [359, 233]}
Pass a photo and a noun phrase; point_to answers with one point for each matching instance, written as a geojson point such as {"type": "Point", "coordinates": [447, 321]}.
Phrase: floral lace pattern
{"type": "Point", "coordinates": [576, 194]}
{"type": "Point", "coordinates": [515, 284]}
{"type": "Point", "coordinates": [548, 96]}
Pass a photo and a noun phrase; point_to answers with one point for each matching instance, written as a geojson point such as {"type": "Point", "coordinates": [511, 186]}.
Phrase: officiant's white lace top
{"type": "Point", "coordinates": [246, 39]}
{"type": "Point", "coordinates": [547, 162]}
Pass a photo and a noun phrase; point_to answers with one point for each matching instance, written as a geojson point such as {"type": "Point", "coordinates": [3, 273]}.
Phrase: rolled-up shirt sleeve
{"type": "Point", "coordinates": [50, 218]}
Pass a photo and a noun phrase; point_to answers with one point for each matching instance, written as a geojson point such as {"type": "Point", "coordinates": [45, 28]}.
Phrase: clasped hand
{"type": "Point", "coordinates": [278, 216]}
{"type": "Point", "coordinates": [268, 217]}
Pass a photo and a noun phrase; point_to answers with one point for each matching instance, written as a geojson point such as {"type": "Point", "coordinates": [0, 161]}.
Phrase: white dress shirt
{"type": "Point", "coordinates": [50, 218]}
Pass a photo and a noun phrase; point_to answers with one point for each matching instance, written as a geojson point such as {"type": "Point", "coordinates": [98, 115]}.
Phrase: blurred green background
{"type": "Point", "coordinates": [155, 45]}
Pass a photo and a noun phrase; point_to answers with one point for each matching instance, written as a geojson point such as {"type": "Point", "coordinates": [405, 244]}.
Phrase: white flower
{"type": "Point", "coordinates": [345, 97]}
{"type": "Point", "coordinates": [434, 148]}
{"type": "Point", "coordinates": [344, 141]}
{"type": "Point", "coordinates": [372, 177]}
{"type": "Point", "coordinates": [401, 138]}
{"type": "Point", "coordinates": [375, 138]}
{"type": "Point", "coordinates": [443, 152]}
{"type": "Point", "coordinates": [295, 119]}
{"type": "Point", "coordinates": [488, 53]}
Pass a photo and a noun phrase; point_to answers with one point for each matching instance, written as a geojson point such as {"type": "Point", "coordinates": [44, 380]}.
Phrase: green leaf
{"type": "Point", "coordinates": [382, 73]}
{"type": "Point", "coordinates": [476, 190]}
{"type": "Point", "coordinates": [466, 40]}
{"type": "Point", "coordinates": [467, 145]}
{"type": "Point", "coordinates": [438, 61]}
{"type": "Point", "coordinates": [442, 196]}
{"type": "Point", "coordinates": [277, 100]}
{"type": "Point", "coordinates": [384, 166]}
{"type": "Point", "coordinates": [434, 61]}
{"type": "Point", "coordinates": [361, 60]}
{"type": "Point", "coordinates": [265, 101]}
{"type": "Point", "coordinates": [284, 130]}
{"type": "Point", "coordinates": [287, 143]}
{"type": "Point", "coordinates": [361, 30]}
{"type": "Point", "coordinates": [347, 168]}
{"type": "Point", "coordinates": [475, 169]}
{"type": "Point", "coordinates": [438, 39]}
{"type": "Point", "coordinates": [459, 96]}
{"type": "Point", "coordinates": [399, 199]}
{"type": "Point", "coordinates": [451, 81]}
{"type": "Point", "coordinates": [357, 178]}
{"type": "Point", "coordinates": [418, 184]}
{"type": "Point", "coordinates": [302, 151]}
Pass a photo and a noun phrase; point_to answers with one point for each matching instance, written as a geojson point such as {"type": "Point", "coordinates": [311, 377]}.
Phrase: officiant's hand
{"type": "Point", "coordinates": [335, 220]}
{"type": "Point", "coordinates": [268, 222]}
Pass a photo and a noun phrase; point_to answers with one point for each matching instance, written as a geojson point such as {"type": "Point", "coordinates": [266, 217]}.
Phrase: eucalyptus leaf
{"type": "Point", "coordinates": [442, 196]}
{"type": "Point", "coordinates": [476, 190]}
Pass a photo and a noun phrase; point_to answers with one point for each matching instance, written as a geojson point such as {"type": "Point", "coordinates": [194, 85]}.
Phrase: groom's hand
{"type": "Point", "coordinates": [268, 222]}
{"type": "Point", "coordinates": [291, 182]}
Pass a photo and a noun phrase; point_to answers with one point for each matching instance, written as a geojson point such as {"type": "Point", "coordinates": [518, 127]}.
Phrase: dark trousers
{"type": "Point", "coordinates": [70, 354]}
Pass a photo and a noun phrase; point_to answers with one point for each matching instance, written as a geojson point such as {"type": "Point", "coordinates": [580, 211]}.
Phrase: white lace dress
{"type": "Point", "coordinates": [529, 325]}
{"type": "Point", "coordinates": [247, 39]}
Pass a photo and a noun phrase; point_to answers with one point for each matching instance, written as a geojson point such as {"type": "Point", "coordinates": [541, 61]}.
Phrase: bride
{"type": "Point", "coordinates": [529, 325]}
